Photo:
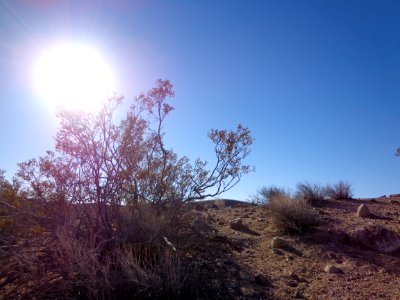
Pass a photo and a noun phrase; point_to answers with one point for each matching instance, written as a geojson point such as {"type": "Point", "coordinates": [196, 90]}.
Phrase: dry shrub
{"type": "Point", "coordinates": [146, 223]}
{"type": "Point", "coordinates": [265, 194]}
{"type": "Point", "coordinates": [156, 272]}
{"type": "Point", "coordinates": [340, 190]}
{"type": "Point", "coordinates": [110, 190]}
{"type": "Point", "coordinates": [312, 193]}
{"type": "Point", "coordinates": [139, 261]}
{"type": "Point", "coordinates": [292, 215]}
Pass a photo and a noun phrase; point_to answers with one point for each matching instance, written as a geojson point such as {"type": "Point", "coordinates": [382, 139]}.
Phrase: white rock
{"type": "Point", "coordinates": [363, 211]}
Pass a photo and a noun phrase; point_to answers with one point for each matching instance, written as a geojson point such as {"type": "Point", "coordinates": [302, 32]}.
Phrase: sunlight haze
{"type": "Point", "coordinates": [316, 82]}
{"type": "Point", "coordinates": [73, 76]}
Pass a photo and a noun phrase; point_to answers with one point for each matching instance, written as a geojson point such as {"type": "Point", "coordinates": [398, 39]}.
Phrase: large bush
{"type": "Point", "coordinates": [105, 205]}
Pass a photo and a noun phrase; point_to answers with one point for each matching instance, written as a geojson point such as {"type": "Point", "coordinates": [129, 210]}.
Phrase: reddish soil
{"type": "Point", "coordinates": [300, 273]}
{"type": "Point", "coordinates": [241, 264]}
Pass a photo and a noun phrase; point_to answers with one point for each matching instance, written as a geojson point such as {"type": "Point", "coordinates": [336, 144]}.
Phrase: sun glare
{"type": "Point", "coordinates": [74, 77]}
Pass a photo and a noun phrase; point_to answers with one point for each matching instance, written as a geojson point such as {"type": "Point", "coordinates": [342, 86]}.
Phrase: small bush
{"type": "Point", "coordinates": [265, 194]}
{"type": "Point", "coordinates": [341, 190]}
{"type": "Point", "coordinates": [313, 194]}
{"type": "Point", "coordinates": [124, 270]}
{"type": "Point", "coordinates": [292, 215]}
{"type": "Point", "coordinates": [139, 260]}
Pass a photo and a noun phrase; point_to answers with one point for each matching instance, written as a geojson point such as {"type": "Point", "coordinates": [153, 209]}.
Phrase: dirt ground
{"type": "Point", "coordinates": [241, 264]}
{"type": "Point", "coordinates": [251, 269]}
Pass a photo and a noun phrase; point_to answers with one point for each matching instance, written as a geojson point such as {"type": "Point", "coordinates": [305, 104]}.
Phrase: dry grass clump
{"type": "Point", "coordinates": [265, 194]}
{"type": "Point", "coordinates": [124, 270]}
{"type": "Point", "coordinates": [340, 190]}
{"type": "Point", "coordinates": [139, 260]}
{"type": "Point", "coordinates": [292, 215]}
{"type": "Point", "coordinates": [312, 193]}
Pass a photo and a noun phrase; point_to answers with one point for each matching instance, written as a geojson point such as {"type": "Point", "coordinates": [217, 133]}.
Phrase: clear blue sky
{"type": "Point", "coordinates": [317, 82]}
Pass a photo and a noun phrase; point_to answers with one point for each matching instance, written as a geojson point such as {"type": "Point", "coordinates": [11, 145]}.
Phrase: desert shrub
{"type": "Point", "coordinates": [340, 190]}
{"type": "Point", "coordinates": [141, 261]}
{"type": "Point", "coordinates": [109, 201]}
{"type": "Point", "coordinates": [313, 194]}
{"type": "Point", "coordinates": [292, 215]}
{"type": "Point", "coordinates": [156, 273]}
{"type": "Point", "coordinates": [122, 270]}
{"type": "Point", "coordinates": [265, 194]}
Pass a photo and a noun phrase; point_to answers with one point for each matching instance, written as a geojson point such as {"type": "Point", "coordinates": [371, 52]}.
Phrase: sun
{"type": "Point", "coordinates": [74, 77]}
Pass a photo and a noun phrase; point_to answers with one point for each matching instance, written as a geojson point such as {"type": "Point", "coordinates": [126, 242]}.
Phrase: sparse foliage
{"type": "Point", "coordinates": [292, 215]}
{"type": "Point", "coordinates": [100, 165]}
{"type": "Point", "coordinates": [314, 194]}
{"type": "Point", "coordinates": [340, 190]}
{"type": "Point", "coordinates": [265, 194]}
{"type": "Point", "coordinates": [112, 190]}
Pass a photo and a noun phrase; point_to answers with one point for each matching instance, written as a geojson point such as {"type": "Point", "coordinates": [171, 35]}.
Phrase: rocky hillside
{"type": "Point", "coordinates": [236, 252]}
{"type": "Point", "coordinates": [352, 255]}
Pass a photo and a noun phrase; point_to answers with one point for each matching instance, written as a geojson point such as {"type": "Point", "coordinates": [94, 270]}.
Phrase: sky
{"type": "Point", "coordinates": [316, 82]}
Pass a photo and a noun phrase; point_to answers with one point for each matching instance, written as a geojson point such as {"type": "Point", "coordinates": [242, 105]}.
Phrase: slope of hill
{"type": "Point", "coordinates": [230, 243]}
{"type": "Point", "coordinates": [253, 269]}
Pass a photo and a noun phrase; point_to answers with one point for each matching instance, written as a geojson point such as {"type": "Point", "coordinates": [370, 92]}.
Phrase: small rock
{"type": "Point", "coordinates": [298, 295]}
{"type": "Point", "coordinates": [292, 283]}
{"type": "Point", "coordinates": [294, 276]}
{"type": "Point", "coordinates": [278, 242]}
{"type": "Point", "coordinates": [201, 226]}
{"type": "Point", "coordinates": [261, 279]}
{"type": "Point", "coordinates": [363, 211]}
{"type": "Point", "coordinates": [277, 251]}
{"type": "Point", "coordinates": [333, 270]}
{"type": "Point", "coordinates": [236, 224]}
{"type": "Point", "coordinates": [378, 238]}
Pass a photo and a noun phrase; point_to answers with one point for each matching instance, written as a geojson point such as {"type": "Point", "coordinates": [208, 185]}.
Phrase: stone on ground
{"type": "Point", "coordinates": [278, 242]}
{"type": "Point", "coordinates": [236, 224]}
{"type": "Point", "coordinates": [201, 226]}
{"type": "Point", "coordinates": [261, 279]}
{"type": "Point", "coordinates": [331, 269]}
{"type": "Point", "coordinates": [378, 238]}
{"type": "Point", "coordinates": [363, 211]}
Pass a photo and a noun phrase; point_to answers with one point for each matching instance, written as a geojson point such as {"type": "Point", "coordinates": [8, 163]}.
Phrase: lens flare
{"type": "Point", "coordinates": [74, 77]}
